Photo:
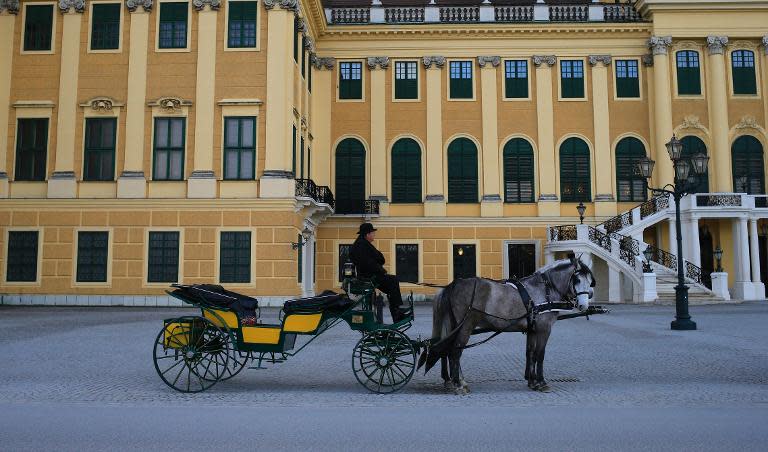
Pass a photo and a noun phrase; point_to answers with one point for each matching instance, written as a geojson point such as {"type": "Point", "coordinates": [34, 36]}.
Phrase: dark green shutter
{"type": "Point", "coordinates": [406, 80]}
{"type": "Point", "coordinates": [406, 171]}
{"type": "Point", "coordinates": [407, 262]}
{"type": "Point", "coordinates": [688, 74]}
{"type": "Point", "coordinates": [461, 74]}
{"type": "Point", "coordinates": [38, 27]}
{"type": "Point", "coordinates": [99, 154]}
{"type": "Point", "coordinates": [242, 24]}
{"type": "Point", "coordinates": [302, 158]}
{"type": "Point", "coordinates": [629, 185]}
{"type": "Point", "coordinates": [31, 149]}
{"type": "Point", "coordinates": [691, 146]}
{"type": "Point", "coordinates": [163, 257]}
{"type": "Point", "coordinates": [235, 257]}
{"type": "Point", "coordinates": [239, 148]}
{"type": "Point", "coordinates": [518, 171]}
{"type": "Point", "coordinates": [300, 258]}
{"type": "Point", "coordinates": [572, 79]}
{"type": "Point", "coordinates": [350, 80]}
{"type": "Point", "coordinates": [92, 253]}
{"type": "Point", "coordinates": [575, 182]}
{"type": "Point", "coordinates": [296, 39]}
{"type": "Point", "coordinates": [22, 256]}
{"type": "Point", "coordinates": [747, 155]}
{"type": "Point", "coordinates": [627, 79]}
{"type": "Point", "coordinates": [462, 171]}
{"type": "Point", "coordinates": [516, 79]}
{"type": "Point", "coordinates": [293, 151]}
{"type": "Point", "coordinates": [350, 177]}
{"type": "Point", "coordinates": [105, 26]}
{"type": "Point", "coordinates": [464, 261]}
{"type": "Point", "coordinates": [743, 70]}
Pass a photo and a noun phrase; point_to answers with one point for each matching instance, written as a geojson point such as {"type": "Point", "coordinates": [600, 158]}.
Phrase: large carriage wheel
{"type": "Point", "coordinates": [191, 354]}
{"type": "Point", "coordinates": [384, 360]}
{"type": "Point", "coordinates": [235, 364]}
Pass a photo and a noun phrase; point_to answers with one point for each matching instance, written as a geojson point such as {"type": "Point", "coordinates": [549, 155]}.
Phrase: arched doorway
{"type": "Point", "coordinates": [707, 254]}
{"type": "Point", "coordinates": [691, 146]}
{"type": "Point", "coordinates": [350, 176]}
{"type": "Point", "coordinates": [747, 161]}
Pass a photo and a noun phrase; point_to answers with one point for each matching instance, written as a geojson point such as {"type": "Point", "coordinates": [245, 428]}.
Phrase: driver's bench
{"type": "Point", "coordinates": [363, 290]}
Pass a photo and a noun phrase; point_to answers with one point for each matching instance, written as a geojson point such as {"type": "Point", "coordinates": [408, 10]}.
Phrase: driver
{"type": "Point", "coordinates": [370, 263]}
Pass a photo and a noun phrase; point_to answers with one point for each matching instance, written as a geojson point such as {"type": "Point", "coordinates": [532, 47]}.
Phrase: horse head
{"type": "Point", "coordinates": [582, 283]}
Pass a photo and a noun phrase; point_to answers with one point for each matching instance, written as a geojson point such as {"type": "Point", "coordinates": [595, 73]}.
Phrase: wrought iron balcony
{"type": "Point", "coordinates": [321, 194]}
{"type": "Point", "coordinates": [357, 207]}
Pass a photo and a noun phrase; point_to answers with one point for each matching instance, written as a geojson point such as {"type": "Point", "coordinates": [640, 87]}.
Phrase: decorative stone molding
{"type": "Point", "coordinates": [716, 44]}
{"type": "Point", "coordinates": [765, 44]}
{"type": "Point", "coordinates": [647, 60]}
{"type": "Point", "coordinates": [309, 45]}
{"type": "Point", "coordinates": [378, 61]}
{"type": "Point", "coordinates": [132, 5]}
{"type": "Point", "coordinates": [538, 60]}
{"type": "Point", "coordinates": [605, 59]}
{"type": "Point", "coordinates": [494, 60]}
{"type": "Point", "coordinates": [239, 102]}
{"type": "Point", "coordinates": [303, 123]}
{"type": "Point", "coordinates": [659, 44]}
{"type": "Point", "coordinates": [434, 198]}
{"type": "Point", "coordinates": [322, 62]}
{"type": "Point", "coordinates": [291, 5]}
{"type": "Point", "coordinates": [101, 104]}
{"type": "Point", "coordinates": [12, 6]}
{"type": "Point", "coordinates": [692, 122]}
{"type": "Point", "coordinates": [170, 104]}
{"type": "Point", "coordinates": [491, 198]}
{"type": "Point", "coordinates": [438, 61]}
{"type": "Point", "coordinates": [748, 122]}
{"type": "Point", "coordinates": [301, 26]}
{"type": "Point", "coordinates": [66, 5]}
{"type": "Point", "coordinates": [200, 4]}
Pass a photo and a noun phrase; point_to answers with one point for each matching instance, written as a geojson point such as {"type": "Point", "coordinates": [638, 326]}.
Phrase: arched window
{"type": "Point", "coordinates": [575, 183]}
{"type": "Point", "coordinates": [688, 76]}
{"type": "Point", "coordinates": [629, 185]}
{"type": "Point", "coordinates": [350, 176]}
{"type": "Point", "coordinates": [462, 171]}
{"type": "Point", "coordinates": [518, 171]}
{"type": "Point", "coordinates": [747, 155]}
{"type": "Point", "coordinates": [743, 72]}
{"type": "Point", "coordinates": [406, 171]}
{"type": "Point", "coordinates": [692, 146]}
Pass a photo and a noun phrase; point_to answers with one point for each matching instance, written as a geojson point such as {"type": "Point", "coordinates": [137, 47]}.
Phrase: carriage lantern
{"type": "Point", "coordinates": [581, 208]}
{"type": "Point", "coordinates": [719, 257]}
{"type": "Point", "coordinates": [349, 270]}
{"type": "Point", "coordinates": [648, 253]}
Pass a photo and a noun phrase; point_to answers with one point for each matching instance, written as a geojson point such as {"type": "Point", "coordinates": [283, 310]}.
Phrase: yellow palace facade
{"type": "Point", "coordinates": [242, 142]}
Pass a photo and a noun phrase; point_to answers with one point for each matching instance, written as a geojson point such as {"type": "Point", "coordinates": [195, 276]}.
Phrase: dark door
{"type": "Point", "coordinates": [350, 177]}
{"type": "Point", "coordinates": [707, 256]}
{"type": "Point", "coordinates": [522, 260]}
{"type": "Point", "coordinates": [464, 261]}
{"type": "Point", "coordinates": [761, 241]}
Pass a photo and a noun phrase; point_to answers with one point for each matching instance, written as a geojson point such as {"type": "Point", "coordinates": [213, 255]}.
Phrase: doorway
{"type": "Point", "coordinates": [521, 260]}
{"type": "Point", "coordinates": [707, 256]}
{"type": "Point", "coordinates": [464, 261]}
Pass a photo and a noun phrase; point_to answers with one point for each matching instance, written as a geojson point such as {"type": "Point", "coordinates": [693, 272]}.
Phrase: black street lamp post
{"type": "Point", "coordinates": [685, 180]}
{"type": "Point", "coordinates": [581, 208]}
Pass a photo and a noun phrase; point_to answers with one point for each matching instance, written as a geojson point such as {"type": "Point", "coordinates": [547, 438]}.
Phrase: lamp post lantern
{"type": "Point", "coordinates": [648, 254]}
{"type": "Point", "coordinates": [581, 208]}
{"type": "Point", "coordinates": [687, 172]}
{"type": "Point", "coordinates": [719, 257]}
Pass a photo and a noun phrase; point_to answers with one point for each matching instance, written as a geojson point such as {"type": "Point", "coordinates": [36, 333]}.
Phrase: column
{"type": "Point", "coordinates": [202, 181]}
{"type": "Point", "coordinates": [434, 203]}
{"type": "Point", "coordinates": [764, 68]}
{"type": "Point", "coordinates": [672, 236]}
{"type": "Point", "coordinates": [62, 182]}
{"type": "Point", "coordinates": [490, 205]}
{"type": "Point", "coordinates": [754, 248]}
{"type": "Point", "coordinates": [548, 202]}
{"type": "Point", "coordinates": [662, 102]}
{"type": "Point", "coordinates": [8, 11]}
{"type": "Point", "coordinates": [694, 246]}
{"type": "Point", "coordinates": [605, 202]}
{"type": "Point", "coordinates": [614, 285]}
{"type": "Point", "coordinates": [132, 182]}
{"type": "Point", "coordinates": [743, 285]}
{"type": "Point", "coordinates": [277, 180]}
{"type": "Point", "coordinates": [718, 96]}
{"type": "Point", "coordinates": [322, 92]}
{"type": "Point", "coordinates": [378, 67]}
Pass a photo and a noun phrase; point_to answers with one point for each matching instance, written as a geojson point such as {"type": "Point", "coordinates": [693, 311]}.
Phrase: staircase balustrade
{"type": "Point", "coordinates": [664, 258]}
{"type": "Point", "coordinates": [718, 200]}
{"type": "Point", "coordinates": [629, 248]}
{"type": "Point", "coordinates": [562, 233]}
{"type": "Point", "coordinates": [654, 205]}
{"type": "Point", "coordinates": [600, 239]}
{"type": "Point", "coordinates": [693, 272]}
{"type": "Point", "coordinates": [618, 222]}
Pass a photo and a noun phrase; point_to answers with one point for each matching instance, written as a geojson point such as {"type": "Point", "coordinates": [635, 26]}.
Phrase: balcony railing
{"type": "Point", "coordinates": [513, 13]}
{"type": "Point", "coordinates": [357, 207]}
{"type": "Point", "coordinates": [569, 13]}
{"type": "Point", "coordinates": [404, 15]}
{"type": "Point", "coordinates": [460, 14]}
{"type": "Point", "coordinates": [562, 233]}
{"type": "Point", "coordinates": [306, 188]}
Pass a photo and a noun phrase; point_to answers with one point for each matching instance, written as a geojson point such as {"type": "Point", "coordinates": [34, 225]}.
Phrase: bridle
{"type": "Point", "coordinates": [580, 269]}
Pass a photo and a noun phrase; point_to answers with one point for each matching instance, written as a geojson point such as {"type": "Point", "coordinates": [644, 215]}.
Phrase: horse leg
{"type": "Point", "coordinates": [445, 374]}
{"type": "Point", "coordinates": [541, 345]}
{"type": "Point", "coordinates": [457, 378]}
{"type": "Point", "coordinates": [530, 358]}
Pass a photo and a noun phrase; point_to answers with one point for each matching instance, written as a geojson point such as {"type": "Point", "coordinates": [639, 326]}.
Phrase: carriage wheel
{"type": "Point", "coordinates": [384, 361]}
{"type": "Point", "coordinates": [191, 354]}
{"type": "Point", "coordinates": [236, 363]}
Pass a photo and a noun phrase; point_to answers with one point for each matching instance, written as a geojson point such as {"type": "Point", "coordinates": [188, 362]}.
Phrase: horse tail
{"type": "Point", "coordinates": [442, 326]}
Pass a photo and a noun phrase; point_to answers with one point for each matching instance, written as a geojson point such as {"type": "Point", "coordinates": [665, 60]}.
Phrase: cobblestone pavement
{"type": "Point", "coordinates": [92, 358]}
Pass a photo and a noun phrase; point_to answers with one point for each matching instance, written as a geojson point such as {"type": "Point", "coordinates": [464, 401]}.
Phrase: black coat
{"type": "Point", "coordinates": [368, 260]}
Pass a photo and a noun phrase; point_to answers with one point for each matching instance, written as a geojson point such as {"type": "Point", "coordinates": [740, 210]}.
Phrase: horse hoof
{"type": "Point", "coordinates": [448, 385]}
{"type": "Point", "coordinates": [544, 388]}
{"type": "Point", "coordinates": [531, 385]}
{"type": "Point", "coordinates": [461, 391]}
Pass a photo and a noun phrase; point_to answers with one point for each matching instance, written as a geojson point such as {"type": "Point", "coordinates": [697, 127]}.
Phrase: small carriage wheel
{"type": "Point", "coordinates": [190, 354]}
{"type": "Point", "coordinates": [236, 363]}
{"type": "Point", "coordinates": [384, 360]}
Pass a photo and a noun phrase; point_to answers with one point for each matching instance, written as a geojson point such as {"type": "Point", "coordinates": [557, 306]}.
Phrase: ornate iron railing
{"type": "Point", "coordinates": [718, 200]}
{"type": "Point", "coordinates": [620, 13]}
{"type": "Point", "coordinates": [325, 196]}
{"type": "Point", "coordinates": [663, 258]}
{"type": "Point", "coordinates": [654, 205]}
{"type": "Point", "coordinates": [618, 222]}
{"type": "Point", "coordinates": [350, 15]}
{"type": "Point", "coordinates": [513, 13]}
{"type": "Point", "coordinates": [628, 247]}
{"type": "Point", "coordinates": [460, 14]}
{"type": "Point", "coordinates": [600, 239]}
{"type": "Point", "coordinates": [569, 13]}
{"type": "Point", "coordinates": [562, 233]}
{"type": "Point", "coordinates": [306, 188]}
{"type": "Point", "coordinates": [693, 272]}
{"type": "Point", "coordinates": [404, 15]}
{"type": "Point", "coordinates": [372, 206]}
{"type": "Point", "coordinates": [761, 202]}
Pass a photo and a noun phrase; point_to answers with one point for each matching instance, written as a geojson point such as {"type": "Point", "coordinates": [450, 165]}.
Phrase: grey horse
{"type": "Point", "coordinates": [474, 305]}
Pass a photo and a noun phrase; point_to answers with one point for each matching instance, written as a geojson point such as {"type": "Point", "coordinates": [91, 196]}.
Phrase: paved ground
{"type": "Point", "coordinates": [83, 379]}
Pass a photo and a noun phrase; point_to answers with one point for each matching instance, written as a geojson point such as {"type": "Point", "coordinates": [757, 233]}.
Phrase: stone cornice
{"type": "Point", "coordinates": [605, 59]}
{"type": "Point", "coordinates": [378, 61]}
{"type": "Point", "coordinates": [133, 5]}
{"type": "Point", "coordinates": [323, 62]}
{"type": "Point", "coordinates": [170, 104]}
{"type": "Point", "coordinates": [495, 61]}
{"type": "Point", "coordinates": [476, 31]}
{"type": "Point", "coordinates": [538, 60]}
{"type": "Point", "coordinates": [12, 6]}
{"type": "Point", "coordinates": [716, 44]}
{"type": "Point", "coordinates": [66, 6]}
{"type": "Point", "coordinates": [438, 61]}
{"type": "Point", "coordinates": [291, 5]}
{"type": "Point", "coordinates": [200, 4]}
{"type": "Point", "coordinates": [102, 104]}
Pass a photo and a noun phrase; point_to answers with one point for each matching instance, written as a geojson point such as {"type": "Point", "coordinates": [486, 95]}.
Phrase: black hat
{"type": "Point", "coordinates": [365, 228]}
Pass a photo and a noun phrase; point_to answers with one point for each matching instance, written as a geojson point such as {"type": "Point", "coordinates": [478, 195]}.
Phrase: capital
{"type": "Point", "coordinates": [301, 26]}
{"type": "Point", "coordinates": [765, 44]}
{"type": "Point", "coordinates": [322, 62]}
{"type": "Point", "coordinates": [647, 60]}
{"type": "Point", "coordinates": [495, 61]}
{"type": "Point", "coordinates": [716, 44]}
{"type": "Point", "coordinates": [538, 60]}
{"type": "Point", "coordinates": [594, 59]}
{"type": "Point", "coordinates": [659, 44]}
{"type": "Point", "coordinates": [309, 44]}
{"type": "Point", "coordinates": [291, 5]}
{"type": "Point", "coordinates": [438, 61]}
{"type": "Point", "coordinates": [378, 61]}
{"type": "Point", "coordinates": [12, 6]}
{"type": "Point", "coordinates": [132, 5]}
{"type": "Point", "coordinates": [200, 4]}
{"type": "Point", "coordinates": [66, 5]}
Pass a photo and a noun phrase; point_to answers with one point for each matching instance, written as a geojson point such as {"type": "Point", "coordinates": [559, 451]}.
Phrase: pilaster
{"type": "Point", "coordinates": [718, 95]}
{"type": "Point", "coordinates": [132, 182]}
{"type": "Point", "coordinates": [605, 201]}
{"type": "Point", "coordinates": [742, 287]}
{"type": "Point", "coordinates": [62, 183]}
{"type": "Point", "coordinates": [662, 101]}
{"type": "Point", "coordinates": [549, 206]}
{"type": "Point", "coordinates": [434, 203]}
{"type": "Point", "coordinates": [322, 92]}
{"type": "Point", "coordinates": [491, 203]}
{"type": "Point", "coordinates": [757, 285]}
{"type": "Point", "coordinates": [378, 67]}
{"type": "Point", "coordinates": [8, 11]}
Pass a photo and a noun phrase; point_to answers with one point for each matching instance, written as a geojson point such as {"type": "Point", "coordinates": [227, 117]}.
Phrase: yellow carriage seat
{"type": "Point", "coordinates": [222, 318]}
{"type": "Point", "coordinates": [302, 323]}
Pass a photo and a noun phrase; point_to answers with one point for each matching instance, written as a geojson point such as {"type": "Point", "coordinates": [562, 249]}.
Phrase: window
{"type": "Point", "coordinates": [747, 155]}
{"type": "Point", "coordinates": [31, 149]}
{"type": "Point", "coordinates": [464, 261]}
{"type": "Point", "coordinates": [627, 79]}
{"type": "Point", "coordinates": [691, 146]}
{"type": "Point", "coordinates": [518, 171]}
{"type": "Point", "coordinates": [462, 171]}
{"type": "Point", "coordinates": [22, 256]}
{"type": "Point", "coordinates": [521, 260]}
{"type": "Point", "coordinates": [572, 79]}
{"type": "Point", "coordinates": [235, 257]}
{"type": "Point", "coordinates": [406, 80]}
{"type": "Point", "coordinates": [38, 28]}
{"type": "Point", "coordinates": [303, 56]}
{"type": "Point", "coordinates": [309, 79]}
{"type": "Point", "coordinates": [92, 253]}
{"type": "Point", "coordinates": [309, 162]}
{"type": "Point", "coordinates": [301, 157]}
{"type": "Point", "coordinates": [296, 39]}
{"type": "Point", "coordinates": [99, 159]}
{"type": "Point", "coordinates": [574, 171]}
{"type": "Point", "coordinates": [300, 258]}
{"type": "Point", "coordinates": [163, 259]}
{"type": "Point", "coordinates": [629, 184]}
{"type": "Point", "coordinates": [407, 262]}
{"type": "Point", "coordinates": [406, 171]}
{"type": "Point", "coordinates": [239, 148]}
{"type": "Point", "coordinates": [169, 149]}
{"type": "Point", "coordinates": [242, 25]}
{"type": "Point", "coordinates": [293, 151]}
{"type": "Point", "coordinates": [516, 79]}
{"type": "Point", "coordinates": [743, 72]}
{"type": "Point", "coordinates": [688, 77]}
{"type": "Point", "coordinates": [350, 177]}
{"type": "Point", "coordinates": [173, 25]}
{"type": "Point", "coordinates": [343, 259]}
{"type": "Point", "coordinates": [461, 79]}
{"type": "Point", "coordinates": [350, 80]}
{"type": "Point", "coordinates": [105, 26]}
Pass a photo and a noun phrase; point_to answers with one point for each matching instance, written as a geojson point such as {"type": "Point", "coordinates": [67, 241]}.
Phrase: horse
{"type": "Point", "coordinates": [476, 305]}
